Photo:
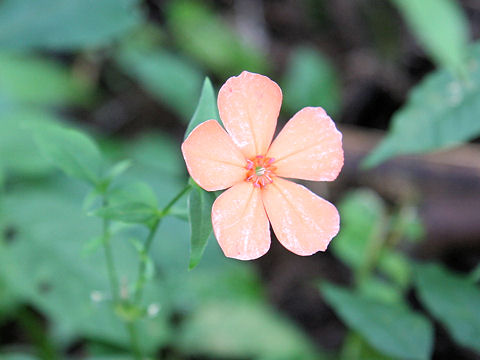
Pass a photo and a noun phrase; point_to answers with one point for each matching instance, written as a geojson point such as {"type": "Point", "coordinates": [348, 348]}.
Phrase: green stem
{"type": "Point", "coordinates": [142, 267]}
{"type": "Point", "coordinates": [111, 270]}
{"type": "Point", "coordinates": [169, 206]}
{"type": "Point", "coordinates": [132, 332]}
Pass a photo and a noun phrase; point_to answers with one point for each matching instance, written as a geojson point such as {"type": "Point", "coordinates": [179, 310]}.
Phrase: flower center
{"type": "Point", "coordinates": [260, 171]}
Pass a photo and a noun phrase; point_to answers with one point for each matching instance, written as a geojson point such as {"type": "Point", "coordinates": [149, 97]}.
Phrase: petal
{"type": "Point", "coordinates": [212, 158]}
{"type": "Point", "coordinates": [249, 105]}
{"type": "Point", "coordinates": [309, 147]}
{"type": "Point", "coordinates": [303, 222]}
{"type": "Point", "coordinates": [240, 223]}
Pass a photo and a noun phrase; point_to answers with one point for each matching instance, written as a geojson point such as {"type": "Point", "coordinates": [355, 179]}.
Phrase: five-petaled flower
{"type": "Point", "coordinates": [252, 168]}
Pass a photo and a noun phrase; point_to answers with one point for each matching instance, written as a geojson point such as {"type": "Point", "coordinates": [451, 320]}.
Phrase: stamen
{"type": "Point", "coordinates": [260, 171]}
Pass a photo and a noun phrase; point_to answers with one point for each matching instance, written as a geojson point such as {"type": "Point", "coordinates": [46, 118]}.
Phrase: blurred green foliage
{"type": "Point", "coordinates": [453, 299]}
{"type": "Point", "coordinates": [376, 310]}
{"type": "Point", "coordinates": [156, 69]}
{"type": "Point", "coordinates": [310, 80]}
{"type": "Point", "coordinates": [441, 109]}
{"type": "Point", "coordinates": [36, 81]}
{"type": "Point", "coordinates": [59, 232]}
{"type": "Point", "coordinates": [67, 25]}
{"type": "Point", "coordinates": [204, 36]}
{"type": "Point", "coordinates": [390, 327]}
{"type": "Point", "coordinates": [441, 26]}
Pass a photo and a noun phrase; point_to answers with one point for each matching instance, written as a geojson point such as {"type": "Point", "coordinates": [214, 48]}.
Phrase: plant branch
{"type": "Point", "coordinates": [142, 277]}
{"type": "Point", "coordinates": [132, 332]}
{"type": "Point", "coordinates": [111, 270]}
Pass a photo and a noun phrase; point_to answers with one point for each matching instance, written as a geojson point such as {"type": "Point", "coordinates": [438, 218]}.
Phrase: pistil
{"type": "Point", "coordinates": [260, 171]}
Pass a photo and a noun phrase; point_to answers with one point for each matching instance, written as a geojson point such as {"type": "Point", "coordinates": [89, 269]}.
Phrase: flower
{"type": "Point", "coordinates": [244, 160]}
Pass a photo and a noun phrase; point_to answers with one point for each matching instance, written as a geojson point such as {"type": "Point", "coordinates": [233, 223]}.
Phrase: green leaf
{"type": "Point", "coordinates": [200, 208]}
{"type": "Point", "coordinates": [49, 220]}
{"type": "Point", "coordinates": [70, 150]}
{"type": "Point", "coordinates": [171, 79]}
{"type": "Point", "coordinates": [381, 290]}
{"type": "Point", "coordinates": [35, 81]}
{"type": "Point", "coordinates": [18, 153]}
{"type": "Point", "coordinates": [355, 347]}
{"type": "Point", "coordinates": [453, 300]}
{"type": "Point", "coordinates": [229, 329]}
{"type": "Point", "coordinates": [363, 216]}
{"type": "Point", "coordinates": [310, 80]}
{"type": "Point", "coordinates": [391, 328]}
{"type": "Point", "coordinates": [440, 25]}
{"type": "Point", "coordinates": [440, 111]}
{"type": "Point", "coordinates": [364, 222]}
{"type": "Point", "coordinates": [206, 107]}
{"type": "Point", "coordinates": [66, 25]}
{"type": "Point", "coordinates": [131, 203]}
{"type": "Point", "coordinates": [204, 36]}
{"type": "Point", "coordinates": [118, 169]}
{"type": "Point", "coordinates": [397, 267]}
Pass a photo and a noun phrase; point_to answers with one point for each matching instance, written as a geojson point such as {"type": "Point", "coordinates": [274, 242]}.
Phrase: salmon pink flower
{"type": "Point", "coordinates": [244, 160]}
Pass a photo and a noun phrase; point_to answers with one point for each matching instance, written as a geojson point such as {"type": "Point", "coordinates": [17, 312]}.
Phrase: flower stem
{"type": "Point", "coordinates": [142, 276]}
{"type": "Point", "coordinates": [111, 270]}
{"type": "Point", "coordinates": [132, 332]}
{"type": "Point", "coordinates": [114, 284]}
{"type": "Point", "coordinates": [142, 267]}
{"type": "Point", "coordinates": [169, 206]}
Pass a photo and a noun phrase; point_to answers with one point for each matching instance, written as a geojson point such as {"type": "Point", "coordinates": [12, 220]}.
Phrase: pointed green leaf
{"type": "Point", "coordinates": [200, 207]}
{"type": "Point", "coordinates": [441, 27]}
{"type": "Point", "coordinates": [453, 300]}
{"type": "Point", "coordinates": [378, 289]}
{"type": "Point", "coordinates": [206, 108]}
{"type": "Point", "coordinates": [440, 112]}
{"type": "Point", "coordinates": [390, 328]}
{"type": "Point", "coordinates": [72, 151]}
{"type": "Point", "coordinates": [118, 169]}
